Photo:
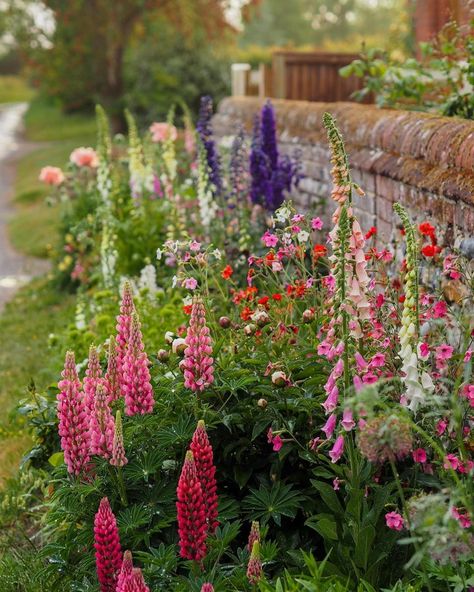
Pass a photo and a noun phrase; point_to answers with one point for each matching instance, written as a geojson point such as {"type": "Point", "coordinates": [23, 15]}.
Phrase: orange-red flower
{"type": "Point", "coordinates": [426, 229]}
{"type": "Point", "coordinates": [319, 251]}
{"type": "Point", "coordinates": [227, 272]}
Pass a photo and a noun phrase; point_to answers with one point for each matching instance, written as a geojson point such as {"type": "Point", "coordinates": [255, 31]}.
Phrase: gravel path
{"type": "Point", "coordinates": [15, 269]}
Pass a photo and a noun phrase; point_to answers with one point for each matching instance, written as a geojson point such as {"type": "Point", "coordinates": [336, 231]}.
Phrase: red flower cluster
{"type": "Point", "coordinates": [227, 272]}
{"type": "Point", "coordinates": [428, 230]}
{"type": "Point", "coordinates": [108, 553]}
{"type": "Point", "coordinates": [372, 232]}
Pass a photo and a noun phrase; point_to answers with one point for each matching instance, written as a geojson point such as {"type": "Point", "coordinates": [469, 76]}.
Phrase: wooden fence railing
{"type": "Point", "coordinates": [303, 76]}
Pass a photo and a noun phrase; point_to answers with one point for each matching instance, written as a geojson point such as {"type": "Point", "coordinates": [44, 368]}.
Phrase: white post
{"type": "Point", "coordinates": [239, 76]}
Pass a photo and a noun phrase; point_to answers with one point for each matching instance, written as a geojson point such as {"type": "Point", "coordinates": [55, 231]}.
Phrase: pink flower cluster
{"type": "Point", "coordinates": [130, 579]}
{"type": "Point", "coordinates": [73, 418]}
{"type": "Point", "coordinates": [136, 375]}
{"type": "Point", "coordinates": [86, 423]}
{"type": "Point", "coordinates": [198, 365]}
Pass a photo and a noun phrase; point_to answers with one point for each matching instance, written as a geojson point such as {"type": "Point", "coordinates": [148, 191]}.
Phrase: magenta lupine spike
{"type": "Point", "coordinates": [125, 571]}
{"type": "Point", "coordinates": [136, 375]}
{"type": "Point", "coordinates": [254, 535]}
{"type": "Point", "coordinates": [192, 523]}
{"type": "Point", "coordinates": [118, 450]}
{"type": "Point", "coordinates": [108, 553]}
{"type": "Point", "coordinates": [135, 582]}
{"type": "Point", "coordinates": [207, 587]}
{"type": "Point", "coordinates": [254, 568]}
{"type": "Point", "coordinates": [113, 374]}
{"type": "Point", "coordinates": [123, 323]}
{"type": "Point", "coordinates": [73, 418]}
{"type": "Point", "coordinates": [102, 427]}
{"type": "Point", "coordinates": [198, 363]}
{"type": "Point", "coordinates": [92, 379]}
{"type": "Point", "coordinates": [206, 471]}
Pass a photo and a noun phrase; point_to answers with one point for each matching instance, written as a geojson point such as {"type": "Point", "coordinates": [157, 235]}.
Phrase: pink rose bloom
{"type": "Point", "coordinates": [190, 283]}
{"type": "Point", "coordinates": [162, 131]}
{"type": "Point", "coordinates": [419, 455]}
{"type": "Point", "coordinates": [84, 157]}
{"type": "Point", "coordinates": [269, 239]}
{"type": "Point", "coordinates": [51, 175]}
{"type": "Point", "coordinates": [336, 452]}
{"type": "Point", "coordinates": [316, 223]}
{"type": "Point", "coordinates": [394, 520]}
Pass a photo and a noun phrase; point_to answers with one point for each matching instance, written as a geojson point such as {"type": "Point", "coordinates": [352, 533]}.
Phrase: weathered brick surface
{"type": "Point", "coordinates": [422, 160]}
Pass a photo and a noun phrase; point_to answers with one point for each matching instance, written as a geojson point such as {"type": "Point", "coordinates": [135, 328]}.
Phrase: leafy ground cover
{"type": "Point", "coordinates": [251, 398]}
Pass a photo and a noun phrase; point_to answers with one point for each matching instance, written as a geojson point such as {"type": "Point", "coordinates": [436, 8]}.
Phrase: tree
{"type": "Point", "coordinates": [84, 60]}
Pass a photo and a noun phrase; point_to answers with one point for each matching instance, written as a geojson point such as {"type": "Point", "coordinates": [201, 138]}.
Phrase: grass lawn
{"type": "Point", "coordinates": [34, 228]}
{"type": "Point", "coordinates": [14, 89]}
{"type": "Point", "coordinates": [35, 313]}
{"type": "Point", "coordinates": [38, 309]}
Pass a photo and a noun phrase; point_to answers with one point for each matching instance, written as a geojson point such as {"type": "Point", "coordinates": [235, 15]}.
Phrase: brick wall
{"type": "Point", "coordinates": [424, 161]}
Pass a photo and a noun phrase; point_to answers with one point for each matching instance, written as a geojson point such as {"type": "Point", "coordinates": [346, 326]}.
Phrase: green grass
{"type": "Point", "coordinates": [36, 311]}
{"type": "Point", "coordinates": [14, 89]}
{"type": "Point", "coordinates": [33, 230]}
{"type": "Point", "coordinates": [45, 122]}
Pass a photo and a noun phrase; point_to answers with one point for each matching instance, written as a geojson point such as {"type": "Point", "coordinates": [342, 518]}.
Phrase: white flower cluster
{"type": "Point", "coordinates": [108, 254]}
{"type": "Point", "coordinates": [147, 282]}
{"type": "Point", "coordinates": [416, 383]}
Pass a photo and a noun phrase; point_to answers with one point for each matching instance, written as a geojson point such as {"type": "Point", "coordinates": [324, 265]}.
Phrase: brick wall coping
{"type": "Point", "coordinates": [424, 150]}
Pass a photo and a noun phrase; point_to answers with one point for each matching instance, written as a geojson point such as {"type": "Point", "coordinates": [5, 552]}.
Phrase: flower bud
{"type": "Point", "coordinates": [308, 316]}
{"type": "Point", "coordinates": [163, 355]}
{"type": "Point", "coordinates": [179, 345]}
{"type": "Point", "coordinates": [261, 318]}
{"type": "Point", "coordinates": [279, 378]}
{"type": "Point", "coordinates": [182, 365]}
{"type": "Point", "coordinates": [224, 322]}
{"type": "Point", "coordinates": [169, 336]}
{"type": "Point", "coordinates": [262, 403]}
{"type": "Point", "coordinates": [249, 329]}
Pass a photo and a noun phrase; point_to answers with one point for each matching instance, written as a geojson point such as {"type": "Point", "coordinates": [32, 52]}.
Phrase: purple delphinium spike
{"type": "Point", "coordinates": [204, 129]}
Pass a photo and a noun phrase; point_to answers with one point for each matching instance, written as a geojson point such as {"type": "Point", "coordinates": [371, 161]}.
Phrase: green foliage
{"type": "Point", "coordinates": [438, 82]}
